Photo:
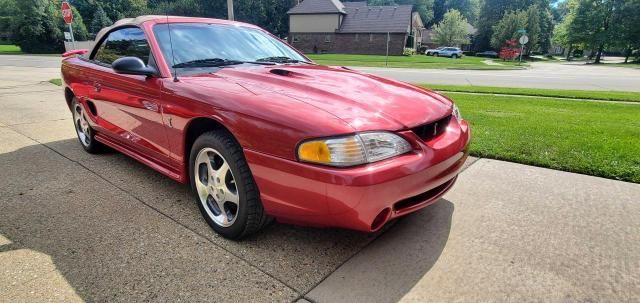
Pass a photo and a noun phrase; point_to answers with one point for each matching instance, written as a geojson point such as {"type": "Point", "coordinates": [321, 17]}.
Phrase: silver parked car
{"type": "Point", "coordinates": [451, 52]}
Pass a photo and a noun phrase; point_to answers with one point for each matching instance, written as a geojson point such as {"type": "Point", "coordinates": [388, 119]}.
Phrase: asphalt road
{"type": "Point", "coordinates": [78, 227]}
{"type": "Point", "coordinates": [539, 75]}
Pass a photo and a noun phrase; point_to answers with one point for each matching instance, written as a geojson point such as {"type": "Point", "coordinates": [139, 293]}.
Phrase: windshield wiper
{"type": "Point", "coordinates": [281, 59]}
{"type": "Point", "coordinates": [215, 62]}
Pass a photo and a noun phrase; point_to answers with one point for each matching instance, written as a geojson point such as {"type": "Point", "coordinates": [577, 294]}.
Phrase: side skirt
{"type": "Point", "coordinates": [161, 168]}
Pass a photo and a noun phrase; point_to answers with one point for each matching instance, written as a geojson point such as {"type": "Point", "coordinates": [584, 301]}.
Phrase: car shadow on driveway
{"type": "Point", "coordinates": [74, 182]}
{"type": "Point", "coordinates": [389, 267]}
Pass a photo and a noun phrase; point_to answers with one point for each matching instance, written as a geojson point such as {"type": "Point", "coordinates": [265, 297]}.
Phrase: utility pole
{"type": "Point", "coordinates": [230, 10]}
{"type": "Point", "coordinates": [386, 59]}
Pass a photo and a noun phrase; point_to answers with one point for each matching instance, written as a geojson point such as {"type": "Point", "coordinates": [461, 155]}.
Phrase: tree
{"type": "Point", "coordinates": [7, 14]}
{"type": "Point", "coordinates": [533, 28]}
{"type": "Point", "coordinates": [452, 31]}
{"type": "Point", "coordinates": [439, 9]}
{"type": "Point", "coordinates": [507, 28]}
{"type": "Point", "coordinates": [594, 24]}
{"type": "Point", "coordinates": [35, 27]}
{"type": "Point", "coordinates": [177, 7]}
{"type": "Point", "coordinates": [100, 20]}
{"type": "Point", "coordinates": [468, 8]}
{"type": "Point", "coordinates": [492, 11]}
{"type": "Point", "coordinates": [629, 27]}
{"type": "Point", "coordinates": [118, 9]}
{"type": "Point", "coordinates": [510, 50]}
{"type": "Point", "coordinates": [562, 35]}
{"type": "Point", "coordinates": [546, 29]}
{"type": "Point", "coordinates": [423, 7]}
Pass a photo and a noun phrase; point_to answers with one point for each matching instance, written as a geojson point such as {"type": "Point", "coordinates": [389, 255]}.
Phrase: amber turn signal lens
{"type": "Point", "coordinates": [314, 151]}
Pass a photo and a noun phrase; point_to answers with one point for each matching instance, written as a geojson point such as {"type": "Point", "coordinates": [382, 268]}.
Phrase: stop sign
{"type": "Point", "coordinates": [67, 14]}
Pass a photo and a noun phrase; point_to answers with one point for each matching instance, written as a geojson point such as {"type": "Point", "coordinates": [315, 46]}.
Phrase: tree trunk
{"type": "Point", "coordinates": [569, 52]}
{"type": "Point", "coordinates": [600, 49]}
{"type": "Point", "coordinates": [626, 57]}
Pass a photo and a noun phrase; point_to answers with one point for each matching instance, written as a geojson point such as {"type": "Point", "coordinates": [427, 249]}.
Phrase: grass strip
{"type": "Point", "coordinates": [543, 92]}
{"type": "Point", "coordinates": [593, 138]}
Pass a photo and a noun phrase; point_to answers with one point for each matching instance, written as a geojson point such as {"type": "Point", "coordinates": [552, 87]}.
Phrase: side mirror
{"type": "Point", "coordinates": [132, 66]}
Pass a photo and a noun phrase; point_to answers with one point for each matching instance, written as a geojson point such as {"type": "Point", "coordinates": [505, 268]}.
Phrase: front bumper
{"type": "Point", "coordinates": [363, 197]}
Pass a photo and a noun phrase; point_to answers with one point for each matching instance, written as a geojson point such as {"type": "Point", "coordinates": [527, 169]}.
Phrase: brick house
{"type": "Point", "coordinates": [330, 26]}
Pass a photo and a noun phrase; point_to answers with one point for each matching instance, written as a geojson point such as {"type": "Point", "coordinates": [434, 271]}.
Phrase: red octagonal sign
{"type": "Point", "coordinates": [67, 14]}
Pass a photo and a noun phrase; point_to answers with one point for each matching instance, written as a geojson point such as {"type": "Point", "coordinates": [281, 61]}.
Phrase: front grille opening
{"type": "Point", "coordinates": [429, 131]}
{"type": "Point", "coordinates": [415, 200]}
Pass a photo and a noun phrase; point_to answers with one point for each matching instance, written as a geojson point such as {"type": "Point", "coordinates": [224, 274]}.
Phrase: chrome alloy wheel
{"type": "Point", "coordinates": [216, 187]}
{"type": "Point", "coordinates": [82, 126]}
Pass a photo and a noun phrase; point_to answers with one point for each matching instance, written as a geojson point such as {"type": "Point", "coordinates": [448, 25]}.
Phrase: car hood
{"type": "Point", "coordinates": [365, 102]}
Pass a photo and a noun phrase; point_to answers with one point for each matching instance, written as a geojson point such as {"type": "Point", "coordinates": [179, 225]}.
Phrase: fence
{"type": "Point", "coordinates": [68, 45]}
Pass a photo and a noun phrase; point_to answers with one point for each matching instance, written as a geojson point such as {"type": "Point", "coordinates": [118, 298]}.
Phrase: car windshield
{"type": "Point", "coordinates": [201, 45]}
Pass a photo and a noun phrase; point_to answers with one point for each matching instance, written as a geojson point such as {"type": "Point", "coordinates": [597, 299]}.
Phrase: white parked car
{"type": "Point", "coordinates": [452, 52]}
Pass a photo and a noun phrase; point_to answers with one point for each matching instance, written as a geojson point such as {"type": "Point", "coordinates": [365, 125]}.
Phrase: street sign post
{"type": "Point", "coordinates": [67, 15]}
{"type": "Point", "coordinates": [524, 39]}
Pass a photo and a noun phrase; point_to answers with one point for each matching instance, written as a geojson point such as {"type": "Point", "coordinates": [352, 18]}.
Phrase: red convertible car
{"type": "Point", "coordinates": [258, 130]}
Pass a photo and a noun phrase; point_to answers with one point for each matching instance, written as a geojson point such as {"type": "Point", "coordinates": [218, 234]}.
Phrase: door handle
{"type": "Point", "coordinates": [152, 106]}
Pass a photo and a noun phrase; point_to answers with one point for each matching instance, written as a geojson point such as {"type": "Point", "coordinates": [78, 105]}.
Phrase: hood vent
{"type": "Point", "coordinates": [280, 72]}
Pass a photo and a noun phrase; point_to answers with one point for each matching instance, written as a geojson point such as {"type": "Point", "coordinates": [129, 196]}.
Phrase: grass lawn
{"type": "Point", "coordinates": [10, 49]}
{"type": "Point", "coordinates": [416, 61]}
{"type": "Point", "coordinates": [57, 82]}
{"type": "Point", "coordinates": [575, 94]}
{"type": "Point", "coordinates": [594, 138]}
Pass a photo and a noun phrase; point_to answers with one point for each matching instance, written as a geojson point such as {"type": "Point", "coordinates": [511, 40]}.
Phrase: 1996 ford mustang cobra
{"type": "Point", "coordinates": [259, 130]}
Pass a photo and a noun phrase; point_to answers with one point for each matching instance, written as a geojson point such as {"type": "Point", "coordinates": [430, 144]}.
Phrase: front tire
{"type": "Point", "coordinates": [86, 135]}
{"type": "Point", "coordinates": [454, 56]}
{"type": "Point", "coordinates": [223, 186]}
{"type": "Point", "coordinates": [435, 54]}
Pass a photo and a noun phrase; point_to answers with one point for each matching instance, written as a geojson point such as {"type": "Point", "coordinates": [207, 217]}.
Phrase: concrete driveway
{"type": "Point", "coordinates": [80, 227]}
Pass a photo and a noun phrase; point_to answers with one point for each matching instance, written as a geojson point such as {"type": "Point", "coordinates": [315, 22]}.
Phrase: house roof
{"type": "Point", "coordinates": [318, 7]}
{"type": "Point", "coordinates": [361, 18]}
{"type": "Point", "coordinates": [427, 36]}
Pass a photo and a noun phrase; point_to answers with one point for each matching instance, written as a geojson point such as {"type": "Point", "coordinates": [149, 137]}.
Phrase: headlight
{"type": "Point", "coordinates": [353, 150]}
{"type": "Point", "coordinates": [456, 112]}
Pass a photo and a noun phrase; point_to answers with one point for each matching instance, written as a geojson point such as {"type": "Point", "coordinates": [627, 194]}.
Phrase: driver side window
{"type": "Point", "coordinates": [126, 42]}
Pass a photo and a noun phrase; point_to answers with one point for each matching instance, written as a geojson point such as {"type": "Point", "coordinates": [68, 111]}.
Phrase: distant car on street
{"type": "Point", "coordinates": [430, 52]}
{"type": "Point", "coordinates": [451, 52]}
{"type": "Point", "coordinates": [490, 54]}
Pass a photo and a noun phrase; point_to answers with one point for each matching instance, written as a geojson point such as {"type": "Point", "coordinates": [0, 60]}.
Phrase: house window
{"type": "Point", "coordinates": [370, 37]}
{"type": "Point", "coordinates": [357, 37]}
{"type": "Point", "coordinates": [296, 38]}
{"type": "Point", "coordinates": [327, 38]}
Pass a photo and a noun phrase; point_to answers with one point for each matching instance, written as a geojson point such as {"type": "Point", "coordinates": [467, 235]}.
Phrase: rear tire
{"type": "Point", "coordinates": [223, 186]}
{"type": "Point", "coordinates": [86, 135]}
